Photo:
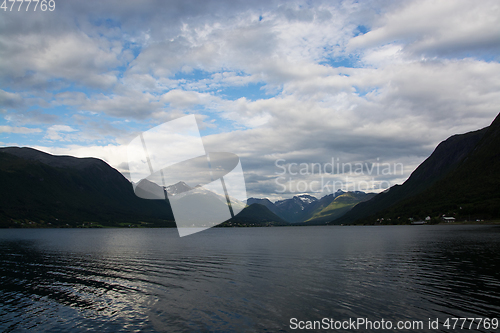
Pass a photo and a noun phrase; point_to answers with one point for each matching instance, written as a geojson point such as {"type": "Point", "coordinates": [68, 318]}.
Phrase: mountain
{"type": "Point", "coordinates": [255, 215]}
{"type": "Point", "coordinates": [470, 191]}
{"type": "Point", "coordinates": [40, 189]}
{"type": "Point", "coordinates": [211, 208]}
{"type": "Point", "coordinates": [461, 177]}
{"type": "Point", "coordinates": [178, 188]}
{"type": "Point", "coordinates": [264, 202]}
{"type": "Point", "coordinates": [338, 207]}
{"type": "Point", "coordinates": [290, 210]}
{"type": "Point", "coordinates": [299, 208]}
{"type": "Point", "coordinates": [146, 189]}
{"type": "Point", "coordinates": [293, 210]}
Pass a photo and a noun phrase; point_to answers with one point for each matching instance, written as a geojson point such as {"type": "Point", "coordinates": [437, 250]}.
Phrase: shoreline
{"type": "Point", "coordinates": [488, 222]}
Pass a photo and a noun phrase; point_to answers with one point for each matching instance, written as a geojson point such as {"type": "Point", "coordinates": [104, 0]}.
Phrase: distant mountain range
{"type": "Point", "coordinates": [306, 209]}
{"type": "Point", "coordinates": [460, 179]}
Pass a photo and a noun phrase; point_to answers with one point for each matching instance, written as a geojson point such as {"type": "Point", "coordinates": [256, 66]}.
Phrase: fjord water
{"type": "Point", "coordinates": [244, 279]}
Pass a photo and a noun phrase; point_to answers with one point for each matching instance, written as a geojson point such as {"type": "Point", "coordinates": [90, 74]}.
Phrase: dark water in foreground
{"type": "Point", "coordinates": [244, 279]}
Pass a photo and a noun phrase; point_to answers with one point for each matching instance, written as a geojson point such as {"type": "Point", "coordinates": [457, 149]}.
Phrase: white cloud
{"type": "Point", "coordinates": [125, 104]}
{"type": "Point", "coordinates": [72, 56]}
{"type": "Point", "coordinates": [181, 99]}
{"type": "Point", "coordinates": [10, 100]}
{"type": "Point", "coordinates": [115, 155]}
{"type": "Point", "coordinates": [55, 132]}
{"type": "Point", "coordinates": [438, 28]}
{"type": "Point", "coordinates": [19, 130]}
{"type": "Point", "coordinates": [30, 117]}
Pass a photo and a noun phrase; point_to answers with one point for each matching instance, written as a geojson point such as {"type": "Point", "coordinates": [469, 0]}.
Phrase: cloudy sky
{"type": "Point", "coordinates": [377, 83]}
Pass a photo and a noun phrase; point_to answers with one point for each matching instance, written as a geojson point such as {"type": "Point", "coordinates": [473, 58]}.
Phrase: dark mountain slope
{"type": "Point", "coordinates": [255, 215]}
{"type": "Point", "coordinates": [67, 190]}
{"type": "Point", "coordinates": [445, 158]}
{"type": "Point", "coordinates": [470, 191]}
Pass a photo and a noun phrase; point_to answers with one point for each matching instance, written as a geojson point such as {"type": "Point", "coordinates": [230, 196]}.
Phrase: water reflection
{"type": "Point", "coordinates": [244, 279]}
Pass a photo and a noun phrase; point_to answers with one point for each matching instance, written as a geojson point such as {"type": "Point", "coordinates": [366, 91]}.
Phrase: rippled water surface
{"type": "Point", "coordinates": [244, 279]}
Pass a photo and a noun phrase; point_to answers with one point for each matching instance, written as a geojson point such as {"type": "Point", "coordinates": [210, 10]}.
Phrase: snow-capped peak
{"type": "Point", "coordinates": [307, 199]}
{"type": "Point", "coordinates": [178, 188]}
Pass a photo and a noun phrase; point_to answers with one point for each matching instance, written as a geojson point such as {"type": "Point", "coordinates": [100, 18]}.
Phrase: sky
{"type": "Point", "coordinates": [293, 88]}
